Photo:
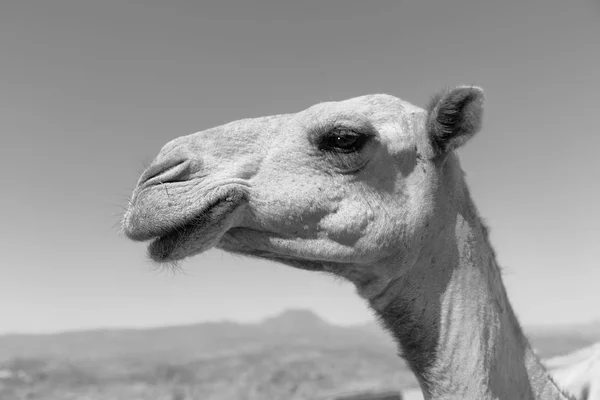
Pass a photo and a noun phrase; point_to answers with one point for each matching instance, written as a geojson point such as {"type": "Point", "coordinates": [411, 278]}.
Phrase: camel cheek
{"type": "Point", "coordinates": [348, 224]}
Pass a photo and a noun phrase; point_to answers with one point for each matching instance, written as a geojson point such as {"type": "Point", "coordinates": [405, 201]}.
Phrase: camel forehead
{"type": "Point", "coordinates": [374, 107]}
{"type": "Point", "coordinates": [385, 113]}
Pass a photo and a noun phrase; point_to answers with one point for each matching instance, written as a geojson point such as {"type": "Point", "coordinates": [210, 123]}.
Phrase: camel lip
{"type": "Point", "coordinates": [153, 213]}
{"type": "Point", "coordinates": [162, 246]}
{"type": "Point", "coordinates": [196, 221]}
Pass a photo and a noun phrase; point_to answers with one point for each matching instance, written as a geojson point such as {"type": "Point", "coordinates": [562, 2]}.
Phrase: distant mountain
{"type": "Point", "coordinates": [295, 355]}
{"type": "Point", "coordinates": [295, 320]}
{"type": "Point", "coordinates": [206, 340]}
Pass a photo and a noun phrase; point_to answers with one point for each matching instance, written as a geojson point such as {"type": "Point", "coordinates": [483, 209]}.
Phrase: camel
{"type": "Point", "coordinates": [578, 372]}
{"type": "Point", "coordinates": [369, 189]}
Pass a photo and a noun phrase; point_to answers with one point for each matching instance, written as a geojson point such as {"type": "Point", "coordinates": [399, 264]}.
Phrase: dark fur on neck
{"type": "Point", "coordinates": [416, 340]}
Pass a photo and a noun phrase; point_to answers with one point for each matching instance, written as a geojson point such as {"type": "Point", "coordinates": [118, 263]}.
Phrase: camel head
{"type": "Point", "coordinates": [351, 183]}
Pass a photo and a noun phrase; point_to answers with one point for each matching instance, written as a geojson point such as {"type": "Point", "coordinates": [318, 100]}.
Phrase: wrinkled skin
{"type": "Point", "coordinates": [264, 187]}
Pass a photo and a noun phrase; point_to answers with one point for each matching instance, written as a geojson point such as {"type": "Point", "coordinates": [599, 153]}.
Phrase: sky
{"type": "Point", "coordinates": [91, 90]}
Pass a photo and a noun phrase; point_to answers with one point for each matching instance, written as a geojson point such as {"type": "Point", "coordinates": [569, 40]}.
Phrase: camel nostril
{"type": "Point", "coordinates": [163, 172]}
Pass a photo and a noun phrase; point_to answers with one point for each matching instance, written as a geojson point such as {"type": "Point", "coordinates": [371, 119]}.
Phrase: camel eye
{"type": "Point", "coordinates": [343, 141]}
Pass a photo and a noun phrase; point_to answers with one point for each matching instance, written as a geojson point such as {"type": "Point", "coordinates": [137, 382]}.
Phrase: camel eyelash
{"type": "Point", "coordinates": [343, 140]}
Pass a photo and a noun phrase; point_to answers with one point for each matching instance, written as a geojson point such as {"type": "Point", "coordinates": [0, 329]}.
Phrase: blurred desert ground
{"type": "Point", "coordinates": [294, 355]}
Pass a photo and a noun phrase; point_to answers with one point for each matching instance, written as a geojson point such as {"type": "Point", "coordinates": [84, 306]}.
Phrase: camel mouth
{"type": "Point", "coordinates": [174, 234]}
{"type": "Point", "coordinates": [195, 235]}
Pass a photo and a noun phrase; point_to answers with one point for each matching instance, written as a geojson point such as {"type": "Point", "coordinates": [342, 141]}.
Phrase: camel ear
{"type": "Point", "coordinates": [454, 116]}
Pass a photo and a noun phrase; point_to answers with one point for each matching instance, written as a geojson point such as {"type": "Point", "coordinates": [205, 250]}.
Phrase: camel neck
{"type": "Point", "coordinates": [455, 326]}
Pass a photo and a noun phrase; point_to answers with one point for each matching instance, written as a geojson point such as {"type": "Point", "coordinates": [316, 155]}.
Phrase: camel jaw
{"type": "Point", "coordinates": [174, 235]}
